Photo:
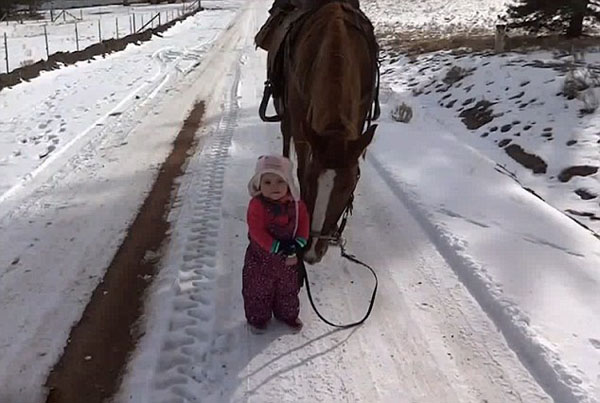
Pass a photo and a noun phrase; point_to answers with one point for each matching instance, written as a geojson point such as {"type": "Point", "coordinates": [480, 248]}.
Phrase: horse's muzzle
{"type": "Point", "coordinates": [318, 246]}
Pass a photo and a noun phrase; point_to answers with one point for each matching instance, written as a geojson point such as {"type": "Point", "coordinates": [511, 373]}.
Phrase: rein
{"type": "Point", "coordinates": [338, 241]}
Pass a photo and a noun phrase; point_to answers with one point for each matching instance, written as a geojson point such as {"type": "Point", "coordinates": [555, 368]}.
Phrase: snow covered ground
{"type": "Point", "coordinates": [80, 149]}
{"type": "Point", "coordinates": [435, 17]}
{"type": "Point", "coordinates": [27, 44]}
{"type": "Point", "coordinates": [487, 293]}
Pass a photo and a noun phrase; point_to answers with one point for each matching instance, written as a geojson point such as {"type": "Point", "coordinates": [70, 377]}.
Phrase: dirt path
{"type": "Point", "coordinates": [99, 345]}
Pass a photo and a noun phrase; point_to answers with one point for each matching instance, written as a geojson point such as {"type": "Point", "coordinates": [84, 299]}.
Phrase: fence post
{"type": "Point", "coordinates": [81, 14]}
{"type": "Point", "coordinates": [52, 13]}
{"type": "Point", "coordinates": [64, 16]}
{"type": "Point", "coordinates": [6, 52]}
{"type": "Point", "coordinates": [134, 29]}
{"type": "Point", "coordinates": [500, 38]}
{"type": "Point", "coordinates": [117, 26]}
{"type": "Point", "coordinates": [99, 32]}
{"type": "Point", "coordinates": [46, 38]}
{"type": "Point", "coordinates": [76, 36]}
{"type": "Point", "coordinates": [142, 20]}
{"type": "Point", "coordinates": [159, 19]}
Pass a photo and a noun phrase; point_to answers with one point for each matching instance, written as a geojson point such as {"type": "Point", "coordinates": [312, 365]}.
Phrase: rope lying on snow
{"type": "Point", "coordinates": [353, 259]}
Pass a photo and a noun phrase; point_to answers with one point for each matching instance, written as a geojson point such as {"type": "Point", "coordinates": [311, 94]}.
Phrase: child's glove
{"type": "Point", "coordinates": [300, 243]}
{"type": "Point", "coordinates": [289, 247]}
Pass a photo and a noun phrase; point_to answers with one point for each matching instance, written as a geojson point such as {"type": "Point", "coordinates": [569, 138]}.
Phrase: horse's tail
{"type": "Point", "coordinates": [335, 77]}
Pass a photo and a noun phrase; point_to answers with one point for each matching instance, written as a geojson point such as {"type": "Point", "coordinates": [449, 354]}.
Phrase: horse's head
{"type": "Point", "coordinates": [329, 178]}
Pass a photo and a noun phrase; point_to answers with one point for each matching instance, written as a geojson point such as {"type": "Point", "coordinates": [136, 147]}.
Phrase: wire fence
{"type": "Point", "coordinates": [27, 41]}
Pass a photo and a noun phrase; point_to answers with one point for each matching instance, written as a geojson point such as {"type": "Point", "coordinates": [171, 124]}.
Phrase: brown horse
{"type": "Point", "coordinates": [331, 74]}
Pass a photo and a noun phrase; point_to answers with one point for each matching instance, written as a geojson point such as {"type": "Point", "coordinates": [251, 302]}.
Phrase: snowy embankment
{"type": "Point", "coordinates": [532, 268]}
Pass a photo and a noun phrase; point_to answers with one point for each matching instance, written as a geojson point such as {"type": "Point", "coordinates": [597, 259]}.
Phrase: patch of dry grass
{"type": "Point", "coordinates": [413, 43]}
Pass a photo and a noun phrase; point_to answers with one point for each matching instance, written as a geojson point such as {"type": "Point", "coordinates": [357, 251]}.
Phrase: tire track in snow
{"type": "Point", "coordinates": [187, 344]}
{"type": "Point", "coordinates": [543, 364]}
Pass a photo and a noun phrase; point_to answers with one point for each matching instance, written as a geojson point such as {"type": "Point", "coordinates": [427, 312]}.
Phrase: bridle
{"type": "Point", "coordinates": [336, 238]}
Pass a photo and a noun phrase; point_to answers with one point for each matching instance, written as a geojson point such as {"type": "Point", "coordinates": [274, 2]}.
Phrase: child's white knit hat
{"type": "Point", "coordinates": [275, 164]}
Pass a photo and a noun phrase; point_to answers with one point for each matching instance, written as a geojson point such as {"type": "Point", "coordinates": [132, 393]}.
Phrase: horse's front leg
{"type": "Point", "coordinates": [287, 136]}
{"type": "Point", "coordinates": [302, 152]}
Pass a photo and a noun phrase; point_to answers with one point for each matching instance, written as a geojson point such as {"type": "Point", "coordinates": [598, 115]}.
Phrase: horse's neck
{"type": "Point", "coordinates": [335, 77]}
{"type": "Point", "coordinates": [318, 3]}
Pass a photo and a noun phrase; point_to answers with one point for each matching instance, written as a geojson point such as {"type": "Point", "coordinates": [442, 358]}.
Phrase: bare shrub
{"type": "Point", "coordinates": [402, 113]}
{"type": "Point", "coordinates": [578, 80]}
{"type": "Point", "coordinates": [590, 101]}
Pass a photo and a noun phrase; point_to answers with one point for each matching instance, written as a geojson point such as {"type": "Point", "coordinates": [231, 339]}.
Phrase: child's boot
{"type": "Point", "coordinates": [257, 328]}
{"type": "Point", "coordinates": [295, 325]}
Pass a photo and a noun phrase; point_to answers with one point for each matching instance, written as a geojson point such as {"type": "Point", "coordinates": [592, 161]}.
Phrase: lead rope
{"type": "Point", "coordinates": [352, 258]}
{"type": "Point", "coordinates": [339, 241]}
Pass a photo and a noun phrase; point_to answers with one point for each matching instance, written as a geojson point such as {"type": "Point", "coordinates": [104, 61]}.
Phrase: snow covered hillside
{"type": "Point", "coordinates": [516, 109]}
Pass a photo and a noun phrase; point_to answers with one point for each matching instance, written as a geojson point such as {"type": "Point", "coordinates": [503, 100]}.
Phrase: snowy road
{"type": "Point", "coordinates": [427, 339]}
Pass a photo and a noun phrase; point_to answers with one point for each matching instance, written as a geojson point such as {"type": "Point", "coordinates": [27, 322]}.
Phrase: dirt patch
{"type": "Point", "coordinates": [579, 170]}
{"type": "Point", "coordinates": [529, 161]}
{"type": "Point", "coordinates": [419, 42]}
{"type": "Point", "coordinates": [93, 361]}
{"type": "Point", "coordinates": [591, 216]}
{"type": "Point", "coordinates": [59, 59]}
{"type": "Point", "coordinates": [478, 115]}
{"type": "Point", "coordinates": [585, 194]}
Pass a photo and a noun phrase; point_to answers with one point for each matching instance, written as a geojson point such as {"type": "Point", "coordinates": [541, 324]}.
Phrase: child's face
{"type": "Point", "coordinates": [273, 186]}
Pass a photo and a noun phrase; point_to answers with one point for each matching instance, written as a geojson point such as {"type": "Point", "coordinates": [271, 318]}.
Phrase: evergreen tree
{"type": "Point", "coordinates": [32, 5]}
{"type": "Point", "coordinates": [6, 7]}
{"type": "Point", "coordinates": [565, 16]}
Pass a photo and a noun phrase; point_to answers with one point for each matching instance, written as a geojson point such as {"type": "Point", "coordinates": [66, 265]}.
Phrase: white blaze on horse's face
{"type": "Point", "coordinates": [325, 186]}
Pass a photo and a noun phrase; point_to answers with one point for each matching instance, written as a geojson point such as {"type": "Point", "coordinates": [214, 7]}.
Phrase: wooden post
{"type": "Point", "coordinates": [46, 38]}
{"type": "Point", "coordinates": [500, 38]}
{"type": "Point", "coordinates": [117, 26]}
{"type": "Point", "coordinates": [134, 30]}
{"type": "Point", "coordinates": [76, 36]}
{"type": "Point", "coordinates": [6, 51]}
{"type": "Point", "coordinates": [99, 32]}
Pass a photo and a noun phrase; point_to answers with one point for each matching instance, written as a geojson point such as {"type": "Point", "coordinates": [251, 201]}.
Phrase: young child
{"type": "Point", "coordinates": [278, 227]}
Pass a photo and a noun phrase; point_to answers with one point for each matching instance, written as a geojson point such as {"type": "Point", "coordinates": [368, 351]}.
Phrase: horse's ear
{"type": "Point", "coordinates": [360, 145]}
